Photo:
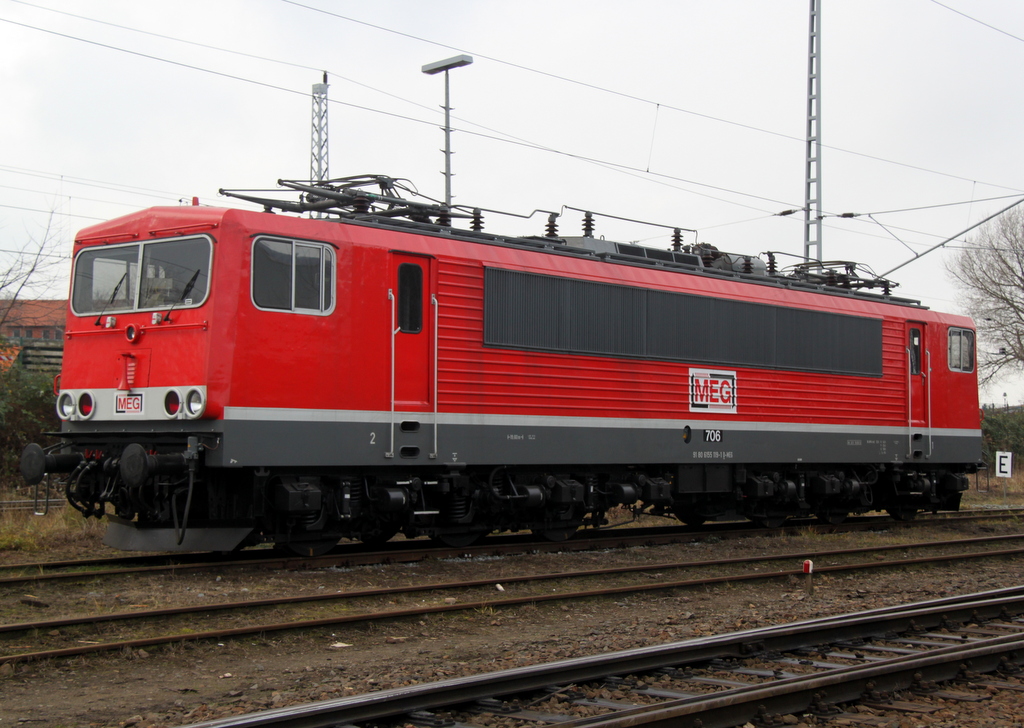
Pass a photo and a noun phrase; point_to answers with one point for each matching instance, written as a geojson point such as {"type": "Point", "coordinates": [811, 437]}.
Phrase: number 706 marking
{"type": "Point", "coordinates": [712, 435]}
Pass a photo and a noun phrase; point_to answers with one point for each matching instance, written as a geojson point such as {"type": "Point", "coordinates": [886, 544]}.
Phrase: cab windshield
{"type": "Point", "coordinates": [143, 276]}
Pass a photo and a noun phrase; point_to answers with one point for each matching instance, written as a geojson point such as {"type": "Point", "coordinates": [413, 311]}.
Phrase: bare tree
{"type": "Point", "coordinates": [29, 271]}
{"type": "Point", "coordinates": [990, 274]}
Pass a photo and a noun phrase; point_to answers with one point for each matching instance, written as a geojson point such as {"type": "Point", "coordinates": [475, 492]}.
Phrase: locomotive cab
{"type": "Point", "coordinates": [133, 395]}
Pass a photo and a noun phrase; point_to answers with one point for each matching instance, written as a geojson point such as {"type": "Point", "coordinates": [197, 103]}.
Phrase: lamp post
{"type": "Point", "coordinates": [433, 68]}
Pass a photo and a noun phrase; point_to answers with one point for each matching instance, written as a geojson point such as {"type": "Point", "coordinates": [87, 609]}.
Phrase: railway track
{"type": "Point", "coordinates": [891, 659]}
{"type": "Point", "coordinates": [138, 628]}
{"type": "Point", "coordinates": [348, 555]}
{"type": "Point", "coordinates": [32, 505]}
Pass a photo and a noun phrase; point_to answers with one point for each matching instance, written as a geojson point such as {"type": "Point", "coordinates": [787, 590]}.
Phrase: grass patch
{"type": "Point", "coordinates": [988, 490]}
{"type": "Point", "coordinates": [62, 528]}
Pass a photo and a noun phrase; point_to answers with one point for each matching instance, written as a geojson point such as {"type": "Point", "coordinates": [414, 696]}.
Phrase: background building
{"type": "Point", "coordinates": [32, 320]}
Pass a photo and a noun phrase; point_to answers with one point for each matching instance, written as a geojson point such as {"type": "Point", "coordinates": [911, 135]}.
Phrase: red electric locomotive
{"type": "Point", "coordinates": [235, 377]}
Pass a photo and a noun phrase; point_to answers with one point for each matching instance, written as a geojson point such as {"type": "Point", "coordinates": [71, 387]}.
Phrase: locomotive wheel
{"type": "Point", "coordinates": [378, 534]}
{"type": "Point", "coordinates": [458, 540]}
{"type": "Point", "coordinates": [689, 516]}
{"type": "Point", "coordinates": [832, 518]}
{"type": "Point", "coordinates": [555, 534]}
{"type": "Point", "coordinates": [307, 548]}
{"type": "Point", "coordinates": [902, 514]}
{"type": "Point", "coordinates": [768, 521]}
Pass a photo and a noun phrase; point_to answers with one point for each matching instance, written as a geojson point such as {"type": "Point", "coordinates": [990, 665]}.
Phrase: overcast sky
{"type": "Point", "coordinates": [680, 112]}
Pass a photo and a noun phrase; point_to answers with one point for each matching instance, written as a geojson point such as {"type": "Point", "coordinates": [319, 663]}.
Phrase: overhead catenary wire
{"type": "Point", "coordinates": [657, 104]}
{"type": "Point", "coordinates": [88, 182]}
{"type": "Point", "coordinates": [632, 97]}
{"type": "Point", "coordinates": [924, 207]}
{"type": "Point", "coordinates": [66, 197]}
{"type": "Point", "coordinates": [980, 22]}
{"type": "Point", "coordinates": [243, 54]}
{"type": "Point", "coordinates": [53, 212]}
{"type": "Point", "coordinates": [954, 237]}
{"type": "Point", "coordinates": [276, 87]}
{"type": "Point", "coordinates": [34, 254]}
{"type": "Point", "coordinates": [639, 172]}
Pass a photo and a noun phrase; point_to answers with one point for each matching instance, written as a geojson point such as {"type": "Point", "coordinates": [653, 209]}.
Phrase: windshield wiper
{"type": "Point", "coordinates": [188, 289]}
{"type": "Point", "coordinates": [112, 297]}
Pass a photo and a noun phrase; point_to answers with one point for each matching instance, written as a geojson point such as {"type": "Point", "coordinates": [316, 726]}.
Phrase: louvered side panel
{"type": "Point", "coordinates": [478, 378]}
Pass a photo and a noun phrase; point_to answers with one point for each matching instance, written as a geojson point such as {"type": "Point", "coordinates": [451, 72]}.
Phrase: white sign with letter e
{"type": "Point", "coordinates": [1004, 464]}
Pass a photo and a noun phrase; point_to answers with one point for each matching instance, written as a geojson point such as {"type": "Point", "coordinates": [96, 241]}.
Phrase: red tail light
{"type": "Point", "coordinates": [172, 403]}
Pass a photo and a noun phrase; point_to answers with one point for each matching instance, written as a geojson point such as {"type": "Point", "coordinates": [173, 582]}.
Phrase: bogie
{"type": "Point", "coordinates": [307, 513]}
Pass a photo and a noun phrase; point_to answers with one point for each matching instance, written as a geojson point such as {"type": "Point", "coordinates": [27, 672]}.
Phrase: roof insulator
{"type": "Point", "coordinates": [552, 226]}
{"type": "Point", "coordinates": [588, 224]}
{"type": "Point", "coordinates": [677, 239]}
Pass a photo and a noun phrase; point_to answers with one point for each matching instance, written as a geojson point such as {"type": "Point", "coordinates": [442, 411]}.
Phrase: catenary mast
{"type": "Point", "coordinates": [318, 171]}
{"type": "Point", "coordinates": [812, 176]}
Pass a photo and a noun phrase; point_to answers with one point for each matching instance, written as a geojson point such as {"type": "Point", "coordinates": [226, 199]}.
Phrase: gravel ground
{"type": "Point", "coordinates": [188, 683]}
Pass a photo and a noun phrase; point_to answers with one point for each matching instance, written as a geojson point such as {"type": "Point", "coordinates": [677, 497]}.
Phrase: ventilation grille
{"type": "Point", "coordinates": [550, 313]}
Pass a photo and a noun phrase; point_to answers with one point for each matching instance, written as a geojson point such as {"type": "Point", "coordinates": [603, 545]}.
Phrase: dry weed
{"type": "Point", "coordinates": [62, 529]}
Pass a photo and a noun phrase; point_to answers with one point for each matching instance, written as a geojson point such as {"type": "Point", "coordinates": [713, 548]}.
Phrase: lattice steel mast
{"type": "Point", "coordinates": [812, 176]}
{"type": "Point", "coordinates": [318, 171]}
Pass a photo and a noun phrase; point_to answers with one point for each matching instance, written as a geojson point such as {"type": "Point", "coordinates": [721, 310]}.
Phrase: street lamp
{"type": "Point", "coordinates": [430, 69]}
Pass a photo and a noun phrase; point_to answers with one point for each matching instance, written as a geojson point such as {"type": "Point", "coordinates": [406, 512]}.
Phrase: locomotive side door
{"type": "Point", "coordinates": [918, 387]}
{"type": "Point", "coordinates": [412, 331]}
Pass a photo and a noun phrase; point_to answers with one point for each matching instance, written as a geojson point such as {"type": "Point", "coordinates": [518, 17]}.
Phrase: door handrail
{"type": "Point", "coordinates": [434, 303]}
{"type": "Point", "coordinates": [394, 332]}
{"type": "Point", "coordinates": [928, 400]}
{"type": "Point", "coordinates": [910, 407]}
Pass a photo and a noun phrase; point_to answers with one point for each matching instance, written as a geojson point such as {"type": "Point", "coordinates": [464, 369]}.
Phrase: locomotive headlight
{"type": "Point", "coordinates": [86, 405]}
{"type": "Point", "coordinates": [195, 403]}
{"type": "Point", "coordinates": [172, 404]}
{"type": "Point", "coordinates": [66, 406]}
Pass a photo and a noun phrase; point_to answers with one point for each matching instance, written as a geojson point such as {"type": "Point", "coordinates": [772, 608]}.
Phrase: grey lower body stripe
{"type": "Point", "coordinates": [267, 414]}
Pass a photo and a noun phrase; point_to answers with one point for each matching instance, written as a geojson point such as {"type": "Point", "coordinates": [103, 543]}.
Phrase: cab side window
{"type": "Point", "coordinates": [961, 350]}
{"type": "Point", "coordinates": [292, 275]}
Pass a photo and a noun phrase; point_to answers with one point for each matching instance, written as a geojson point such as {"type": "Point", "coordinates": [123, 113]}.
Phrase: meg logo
{"type": "Point", "coordinates": [128, 404]}
{"type": "Point", "coordinates": [712, 391]}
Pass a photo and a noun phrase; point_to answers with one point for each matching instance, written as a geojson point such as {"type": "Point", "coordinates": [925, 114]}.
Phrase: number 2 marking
{"type": "Point", "coordinates": [373, 438]}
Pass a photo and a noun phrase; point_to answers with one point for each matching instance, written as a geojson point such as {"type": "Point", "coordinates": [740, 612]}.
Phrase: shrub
{"type": "Point", "coordinates": [26, 412]}
{"type": "Point", "coordinates": [1003, 430]}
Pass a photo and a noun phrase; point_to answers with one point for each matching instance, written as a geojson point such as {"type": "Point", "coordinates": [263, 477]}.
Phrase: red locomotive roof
{"type": "Point", "coordinates": [152, 222]}
{"type": "Point", "coordinates": [521, 253]}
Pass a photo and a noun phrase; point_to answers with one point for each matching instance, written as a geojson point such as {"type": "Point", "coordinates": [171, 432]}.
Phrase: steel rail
{"type": "Point", "coordinates": [289, 562]}
{"type": "Point", "coordinates": [396, 703]}
{"type": "Point", "coordinates": [798, 694]}
{"type": "Point", "coordinates": [410, 551]}
{"type": "Point", "coordinates": [527, 578]}
{"type": "Point", "coordinates": [30, 505]}
{"type": "Point", "coordinates": [418, 611]}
